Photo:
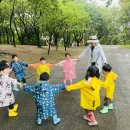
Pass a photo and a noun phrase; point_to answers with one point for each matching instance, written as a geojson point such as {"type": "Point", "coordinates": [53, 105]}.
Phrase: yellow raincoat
{"type": "Point", "coordinates": [109, 84]}
{"type": "Point", "coordinates": [89, 92]}
{"type": "Point", "coordinates": [42, 68]}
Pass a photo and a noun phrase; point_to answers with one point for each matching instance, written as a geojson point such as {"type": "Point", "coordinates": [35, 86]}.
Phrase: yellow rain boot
{"type": "Point", "coordinates": [15, 107]}
{"type": "Point", "coordinates": [12, 113]}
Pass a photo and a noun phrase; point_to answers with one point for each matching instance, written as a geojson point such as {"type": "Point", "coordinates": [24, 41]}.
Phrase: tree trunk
{"type": "Point", "coordinates": [38, 38]}
{"type": "Point", "coordinates": [56, 40]}
{"type": "Point", "coordinates": [7, 35]}
{"type": "Point", "coordinates": [50, 40]}
{"type": "Point", "coordinates": [11, 17]}
{"type": "Point", "coordinates": [17, 32]}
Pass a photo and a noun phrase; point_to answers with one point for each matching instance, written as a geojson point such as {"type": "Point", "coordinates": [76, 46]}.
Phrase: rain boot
{"type": "Point", "coordinates": [56, 120]}
{"type": "Point", "coordinates": [39, 121]}
{"type": "Point", "coordinates": [15, 107]}
{"type": "Point", "coordinates": [110, 106]}
{"type": "Point", "coordinates": [86, 117]}
{"type": "Point", "coordinates": [93, 121]}
{"type": "Point", "coordinates": [12, 113]}
{"type": "Point", "coordinates": [104, 110]}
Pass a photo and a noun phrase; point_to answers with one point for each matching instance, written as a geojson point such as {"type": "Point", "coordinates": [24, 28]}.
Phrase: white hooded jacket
{"type": "Point", "coordinates": [96, 55]}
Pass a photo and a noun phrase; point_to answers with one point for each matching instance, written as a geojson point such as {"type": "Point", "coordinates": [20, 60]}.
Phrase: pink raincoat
{"type": "Point", "coordinates": [68, 68]}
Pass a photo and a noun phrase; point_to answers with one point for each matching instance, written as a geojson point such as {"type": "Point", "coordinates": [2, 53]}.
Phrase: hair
{"type": "Point", "coordinates": [13, 56]}
{"type": "Point", "coordinates": [67, 54]}
{"type": "Point", "coordinates": [44, 76]}
{"type": "Point", "coordinates": [4, 61]}
{"type": "Point", "coordinates": [107, 68]}
{"type": "Point", "coordinates": [3, 66]}
{"type": "Point", "coordinates": [42, 58]}
{"type": "Point", "coordinates": [92, 71]}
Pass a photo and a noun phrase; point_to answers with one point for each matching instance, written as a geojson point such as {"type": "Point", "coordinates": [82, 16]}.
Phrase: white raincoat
{"type": "Point", "coordinates": [97, 56]}
{"type": "Point", "coordinates": [6, 94]}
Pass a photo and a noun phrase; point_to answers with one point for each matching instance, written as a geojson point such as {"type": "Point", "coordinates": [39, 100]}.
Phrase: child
{"type": "Point", "coordinates": [89, 93]}
{"type": "Point", "coordinates": [18, 69]}
{"type": "Point", "coordinates": [43, 94]}
{"type": "Point", "coordinates": [41, 67]}
{"type": "Point", "coordinates": [109, 87]}
{"type": "Point", "coordinates": [68, 68]}
{"type": "Point", "coordinates": [6, 94]}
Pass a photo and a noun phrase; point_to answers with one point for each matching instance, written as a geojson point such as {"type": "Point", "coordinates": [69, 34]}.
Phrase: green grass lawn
{"type": "Point", "coordinates": [125, 46]}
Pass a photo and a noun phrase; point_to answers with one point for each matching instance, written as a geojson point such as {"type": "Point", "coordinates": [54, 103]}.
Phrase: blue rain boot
{"type": "Point", "coordinates": [56, 120]}
{"type": "Point", "coordinates": [39, 121]}
{"type": "Point", "coordinates": [15, 88]}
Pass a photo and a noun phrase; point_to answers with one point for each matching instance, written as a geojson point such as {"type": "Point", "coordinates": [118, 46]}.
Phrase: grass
{"type": "Point", "coordinates": [126, 46]}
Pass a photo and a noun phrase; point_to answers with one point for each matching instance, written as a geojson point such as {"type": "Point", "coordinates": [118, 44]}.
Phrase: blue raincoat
{"type": "Point", "coordinates": [43, 94]}
{"type": "Point", "coordinates": [18, 69]}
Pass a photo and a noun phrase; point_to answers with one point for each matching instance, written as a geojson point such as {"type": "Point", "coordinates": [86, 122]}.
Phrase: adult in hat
{"type": "Point", "coordinates": [95, 53]}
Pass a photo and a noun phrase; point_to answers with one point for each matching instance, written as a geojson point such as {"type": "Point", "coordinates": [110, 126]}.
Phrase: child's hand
{"type": "Point", "coordinates": [20, 85]}
{"type": "Point", "coordinates": [29, 65]}
{"type": "Point", "coordinates": [78, 59]}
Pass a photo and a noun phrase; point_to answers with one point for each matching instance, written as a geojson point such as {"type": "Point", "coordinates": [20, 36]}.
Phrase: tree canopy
{"type": "Point", "coordinates": [62, 22]}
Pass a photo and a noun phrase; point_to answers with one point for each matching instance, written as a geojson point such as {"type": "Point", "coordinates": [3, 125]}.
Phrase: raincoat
{"type": "Point", "coordinates": [109, 84]}
{"type": "Point", "coordinates": [18, 69]}
{"type": "Point", "coordinates": [6, 94]}
{"type": "Point", "coordinates": [89, 92]}
{"type": "Point", "coordinates": [43, 94]}
{"type": "Point", "coordinates": [42, 68]}
{"type": "Point", "coordinates": [96, 55]}
{"type": "Point", "coordinates": [68, 68]}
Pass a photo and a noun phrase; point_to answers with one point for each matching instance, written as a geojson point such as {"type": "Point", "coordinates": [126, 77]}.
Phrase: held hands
{"type": "Point", "coordinates": [20, 85]}
{"type": "Point", "coordinates": [78, 59]}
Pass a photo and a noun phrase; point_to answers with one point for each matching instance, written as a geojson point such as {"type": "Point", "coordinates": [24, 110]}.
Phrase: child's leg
{"type": "Point", "coordinates": [65, 81]}
{"type": "Point", "coordinates": [56, 120]}
{"type": "Point", "coordinates": [71, 81]}
{"type": "Point", "coordinates": [109, 104]}
{"type": "Point", "coordinates": [86, 116]}
{"type": "Point", "coordinates": [92, 118]}
{"type": "Point", "coordinates": [12, 111]}
{"type": "Point", "coordinates": [106, 107]}
{"type": "Point", "coordinates": [24, 81]}
{"type": "Point", "coordinates": [39, 112]}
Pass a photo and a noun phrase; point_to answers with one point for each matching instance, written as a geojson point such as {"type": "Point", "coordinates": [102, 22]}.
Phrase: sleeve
{"type": "Point", "coordinates": [76, 86]}
{"type": "Point", "coordinates": [75, 61]}
{"type": "Point", "coordinates": [11, 64]}
{"type": "Point", "coordinates": [103, 55]}
{"type": "Point", "coordinates": [61, 63]}
{"type": "Point", "coordinates": [29, 89]}
{"type": "Point", "coordinates": [58, 88]}
{"type": "Point", "coordinates": [84, 52]}
{"type": "Point", "coordinates": [51, 66]}
{"type": "Point", "coordinates": [35, 66]}
{"type": "Point", "coordinates": [13, 81]}
{"type": "Point", "coordinates": [23, 64]}
{"type": "Point", "coordinates": [106, 83]}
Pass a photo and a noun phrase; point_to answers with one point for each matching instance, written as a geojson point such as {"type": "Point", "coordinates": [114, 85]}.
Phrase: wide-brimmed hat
{"type": "Point", "coordinates": [93, 39]}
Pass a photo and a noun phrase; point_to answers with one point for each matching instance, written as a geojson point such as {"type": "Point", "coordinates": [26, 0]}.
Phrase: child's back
{"type": "Point", "coordinates": [43, 94]}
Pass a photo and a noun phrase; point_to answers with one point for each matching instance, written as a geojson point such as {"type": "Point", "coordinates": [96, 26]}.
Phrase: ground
{"type": "Point", "coordinates": [67, 103]}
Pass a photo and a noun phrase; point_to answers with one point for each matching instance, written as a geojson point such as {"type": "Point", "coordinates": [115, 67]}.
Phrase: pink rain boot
{"type": "Point", "coordinates": [86, 117]}
{"type": "Point", "coordinates": [93, 121]}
